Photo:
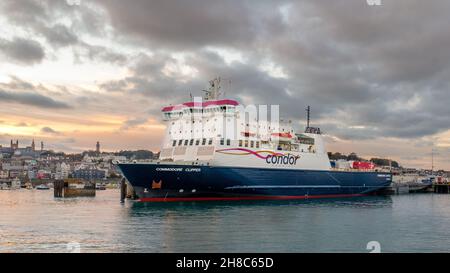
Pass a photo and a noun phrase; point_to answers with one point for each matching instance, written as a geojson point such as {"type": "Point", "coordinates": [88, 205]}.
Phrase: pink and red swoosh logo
{"type": "Point", "coordinates": [242, 151]}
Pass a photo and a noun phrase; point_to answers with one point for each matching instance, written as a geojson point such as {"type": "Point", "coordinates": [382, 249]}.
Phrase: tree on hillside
{"type": "Point", "coordinates": [336, 156]}
{"type": "Point", "coordinates": [384, 162]}
{"type": "Point", "coordinates": [139, 154]}
{"type": "Point", "coordinates": [354, 157]}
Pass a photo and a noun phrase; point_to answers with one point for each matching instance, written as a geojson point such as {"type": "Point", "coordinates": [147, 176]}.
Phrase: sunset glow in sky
{"type": "Point", "coordinates": [376, 77]}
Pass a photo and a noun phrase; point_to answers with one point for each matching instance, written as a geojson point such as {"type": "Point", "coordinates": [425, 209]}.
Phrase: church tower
{"type": "Point", "coordinates": [97, 148]}
{"type": "Point", "coordinates": [14, 146]}
{"type": "Point", "coordinates": [33, 146]}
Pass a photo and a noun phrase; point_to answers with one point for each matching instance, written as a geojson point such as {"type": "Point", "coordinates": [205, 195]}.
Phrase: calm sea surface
{"type": "Point", "coordinates": [33, 221]}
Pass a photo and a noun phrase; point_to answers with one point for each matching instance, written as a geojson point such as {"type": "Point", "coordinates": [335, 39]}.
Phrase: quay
{"type": "Point", "coordinates": [412, 183]}
{"type": "Point", "coordinates": [435, 185]}
{"type": "Point", "coordinates": [441, 187]}
{"type": "Point", "coordinates": [126, 191]}
{"type": "Point", "coordinates": [405, 188]}
{"type": "Point", "coordinates": [73, 188]}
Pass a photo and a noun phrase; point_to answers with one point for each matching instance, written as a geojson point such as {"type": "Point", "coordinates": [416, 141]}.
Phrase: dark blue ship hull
{"type": "Point", "coordinates": [173, 182]}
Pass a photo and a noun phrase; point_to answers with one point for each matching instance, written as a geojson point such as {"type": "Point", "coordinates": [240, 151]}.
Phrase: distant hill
{"type": "Point", "coordinates": [384, 162]}
{"type": "Point", "coordinates": [138, 155]}
{"type": "Point", "coordinates": [129, 154]}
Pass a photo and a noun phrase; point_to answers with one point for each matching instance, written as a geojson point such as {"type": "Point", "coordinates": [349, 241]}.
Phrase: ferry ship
{"type": "Point", "coordinates": [262, 160]}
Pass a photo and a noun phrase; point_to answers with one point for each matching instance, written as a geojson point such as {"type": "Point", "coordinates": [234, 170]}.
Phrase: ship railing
{"type": "Point", "coordinates": [193, 163]}
{"type": "Point", "coordinates": [357, 170]}
{"type": "Point", "coordinates": [115, 162]}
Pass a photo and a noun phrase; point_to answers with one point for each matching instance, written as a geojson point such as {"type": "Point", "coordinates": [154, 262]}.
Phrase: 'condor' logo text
{"type": "Point", "coordinates": [283, 159]}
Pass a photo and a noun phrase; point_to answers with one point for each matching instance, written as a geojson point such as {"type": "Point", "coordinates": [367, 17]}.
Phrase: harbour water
{"type": "Point", "coordinates": [33, 221]}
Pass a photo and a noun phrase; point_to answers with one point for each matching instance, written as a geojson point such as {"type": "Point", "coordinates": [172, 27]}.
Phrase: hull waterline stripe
{"type": "Point", "coordinates": [297, 186]}
{"type": "Point", "coordinates": [283, 187]}
{"type": "Point", "coordinates": [238, 198]}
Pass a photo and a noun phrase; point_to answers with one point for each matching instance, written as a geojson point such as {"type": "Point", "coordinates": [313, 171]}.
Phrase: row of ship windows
{"type": "Point", "coordinates": [245, 143]}
{"type": "Point", "coordinates": [223, 142]}
{"type": "Point", "coordinates": [242, 124]}
{"type": "Point", "coordinates": [190, 142]}
{"type": "Point", "coordinates": [229, 109]}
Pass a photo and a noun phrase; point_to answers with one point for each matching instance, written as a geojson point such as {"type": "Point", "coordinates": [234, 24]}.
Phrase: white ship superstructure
{"type": "Point", "coordinates": [220, 132]}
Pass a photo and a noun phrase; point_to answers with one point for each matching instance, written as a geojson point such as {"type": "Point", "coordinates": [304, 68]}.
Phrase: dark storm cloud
{"type": "Point", "coordinates": [402, 40]}
{"type": "Point", "coordinates": [59, 35]}
{"type": "Point", "coordinates": [61, 25]}
{"type": "Point", "coordinates": [23, 11]}
{"type": "Point", "coordinates": [21, 124]}
{"type": "Point", "coordinates": [241, 80]}
{"type": "Point", "coordinates": [114, 85]}
{"type": "Point", "coordinates": [130, 123]}
{"type": "Point", "coordinates": [22, 50]}
{"type": "Point", "coordinates": [346, 133]}
{"type": "Point", "coordinates": [48, 130]}
{"type": "Point", "coordinates": [101, 53]}
{"type": "Point", "coordinates": [367, 71]}
{"type": "Point", "coordinates": [356, 64]}
{"type": "Point", "coordinates": [368, 63]}
{"type": "Point", "coordinates": [190, 24]}
{"type": "Point", "coordinates": [21, 92]}
{"type": "Point", "coordinates": [33, 99]}
{"type": "Point", "coordinates": [147, 79]}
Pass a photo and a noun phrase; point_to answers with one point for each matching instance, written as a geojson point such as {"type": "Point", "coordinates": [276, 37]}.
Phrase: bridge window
{"type": "Point", "coordinates": [240, 142]}
{"type": "Point", "coordinates": [180, 142]}
{"type": "Point", "coordinates": [257, 144]}
{"type": "Point", "coordinates": [186, 142]}
{"type": "Point", "coordinates": [252, 144]}
{"type": "Point", "coordinates": [222, 141]}
{"type": "Point", "coordinates": [210, 141]}
{"type": "Point", "coordinates": [246, 143]}
{"type": "Point", "coordinates": [204, 141]}
{"type": "Point", "coordinates": [197, 142]}
{"type": "Point", "coordinates": [303, 139]}
{"type": "Point", "coordinates": [174, 143]}
{"type": "Point", "coordinates": [191, 142]}
{"type": "Point", "coordinates": [228, 142]}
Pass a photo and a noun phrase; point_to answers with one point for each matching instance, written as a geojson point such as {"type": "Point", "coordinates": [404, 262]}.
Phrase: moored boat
{"type": "Point", "coordinates": [42, 187]}
{"type": "Point", "coordinates": [259, 159]}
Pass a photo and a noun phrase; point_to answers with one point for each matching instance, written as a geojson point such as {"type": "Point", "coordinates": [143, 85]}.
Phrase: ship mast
{"type": "Point", "coordinates": [213, 91]}
{"type": "Point", "coordinates": [308, 116]}
{"type": "Point", "coordinates": [432, 161]}
{"type": "Point", "coordinates": [309, 129]}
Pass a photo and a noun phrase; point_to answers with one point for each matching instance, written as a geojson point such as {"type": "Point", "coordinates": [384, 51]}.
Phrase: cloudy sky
{"type": "Point", "coordinates": [377, 77]}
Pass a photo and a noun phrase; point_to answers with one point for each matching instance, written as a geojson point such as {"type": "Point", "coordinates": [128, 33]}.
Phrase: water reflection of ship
{"type": "Point", "coordinates": [375, 201]}
{"type": "Point", "coordinates": [171, 219]}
